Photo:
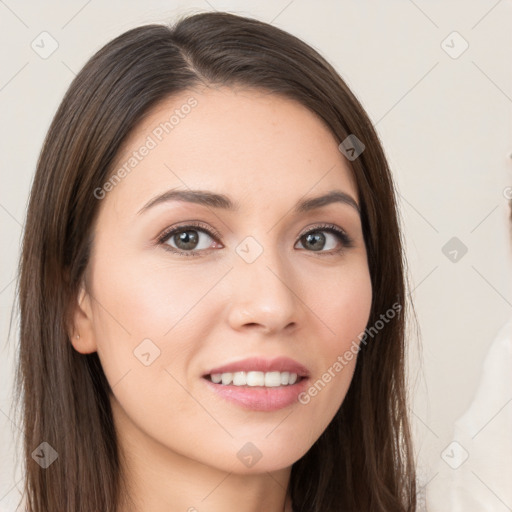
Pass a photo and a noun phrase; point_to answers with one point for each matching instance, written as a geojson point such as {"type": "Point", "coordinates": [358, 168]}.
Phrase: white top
{"type": "Point", "coordinates": [477, 465]}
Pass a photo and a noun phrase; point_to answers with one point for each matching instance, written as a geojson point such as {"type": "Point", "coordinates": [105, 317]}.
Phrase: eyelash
{"type": "Point", "coordinates": [346, 241]}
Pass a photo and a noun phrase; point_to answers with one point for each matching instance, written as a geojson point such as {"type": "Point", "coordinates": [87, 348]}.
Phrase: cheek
{"type": "Point", "coordinates": [343, 305]}
{"type": "Point", "coordinates": [150, 321]}
{"type": "Point", "coordinates": [145, 322]}
{"type": "Point", "coordinates": [138, 298]}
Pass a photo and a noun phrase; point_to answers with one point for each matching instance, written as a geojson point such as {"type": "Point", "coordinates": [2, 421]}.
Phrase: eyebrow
{"type": "Point", "coordinates": [214, 200]}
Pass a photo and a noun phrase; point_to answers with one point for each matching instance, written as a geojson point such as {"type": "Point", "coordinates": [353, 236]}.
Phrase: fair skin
{"type": "Point", "coordinates": [180, 440]}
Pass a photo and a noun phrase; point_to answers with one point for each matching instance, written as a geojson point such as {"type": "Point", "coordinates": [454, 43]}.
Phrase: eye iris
{"type": "Point", "coordinates": [317, 239]}
{"type": "Point", "coordinates": [186, 238]}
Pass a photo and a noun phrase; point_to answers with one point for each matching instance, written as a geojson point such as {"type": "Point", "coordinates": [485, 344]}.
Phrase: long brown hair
{"type": "Point", "coordinates": [363, 461]}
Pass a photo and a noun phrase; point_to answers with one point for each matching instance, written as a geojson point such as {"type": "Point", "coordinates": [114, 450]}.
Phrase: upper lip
{"type": "Point", "coordinates": [261, 364]}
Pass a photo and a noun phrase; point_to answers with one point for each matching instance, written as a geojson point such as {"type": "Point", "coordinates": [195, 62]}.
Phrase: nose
{"type": "Point", "coordinates": [264, 294]}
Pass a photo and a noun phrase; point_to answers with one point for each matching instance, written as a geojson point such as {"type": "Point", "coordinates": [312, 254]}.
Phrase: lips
{"type": "Point", "coordinates": [260, 364]}
{"type": "Point", "coordinates": [252, 394]}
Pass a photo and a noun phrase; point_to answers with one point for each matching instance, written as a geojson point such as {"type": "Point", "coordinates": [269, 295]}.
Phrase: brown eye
{"type": "Point", "coordinates": [188, 240]}
{"type": "Point", "coordinates": [325, 239]}
{"type": "Point", "coordinates": [314, 241]}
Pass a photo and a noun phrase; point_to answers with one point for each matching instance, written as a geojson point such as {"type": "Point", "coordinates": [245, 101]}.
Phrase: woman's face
{"type": "Point", "coordinates": [265, 280]}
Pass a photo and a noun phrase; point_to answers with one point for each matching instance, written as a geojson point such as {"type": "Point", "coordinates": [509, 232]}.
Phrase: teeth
{"type": "Point", "coordinates": [272, 379]}
{"type": "Point", "coordinates": [255, 379]}
{"type": "Point", "coordinates": [226, 378]}
{"type": "Point", "coordinates": [239, 379]}
{"type": "Point", "coordinates": [268, 379]}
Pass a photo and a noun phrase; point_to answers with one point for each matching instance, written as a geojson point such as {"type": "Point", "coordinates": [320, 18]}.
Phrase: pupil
{"type": "Point", "coordinates": [189, 241]}
{"type": "Point", "coordinates": [314, 239]}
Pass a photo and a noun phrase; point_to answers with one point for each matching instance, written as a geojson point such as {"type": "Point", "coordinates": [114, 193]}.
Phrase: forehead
{"type": "Point", "coordinates": [240, 141]}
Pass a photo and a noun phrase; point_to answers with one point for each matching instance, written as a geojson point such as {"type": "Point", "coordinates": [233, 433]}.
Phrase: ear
{"type": "Point", "coordinates": [81, 333]}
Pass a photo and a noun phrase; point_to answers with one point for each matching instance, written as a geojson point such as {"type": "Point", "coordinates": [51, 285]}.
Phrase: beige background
{"type": "Point", "coordinates": [445, 124]}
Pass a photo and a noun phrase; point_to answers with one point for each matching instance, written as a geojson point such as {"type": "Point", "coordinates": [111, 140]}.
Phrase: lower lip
{"type": "Point", "coordinates": [259, 398]}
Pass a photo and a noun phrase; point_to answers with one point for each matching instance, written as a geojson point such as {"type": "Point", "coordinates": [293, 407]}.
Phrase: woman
{"type": "Point", "coordinates": [211, 285]}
